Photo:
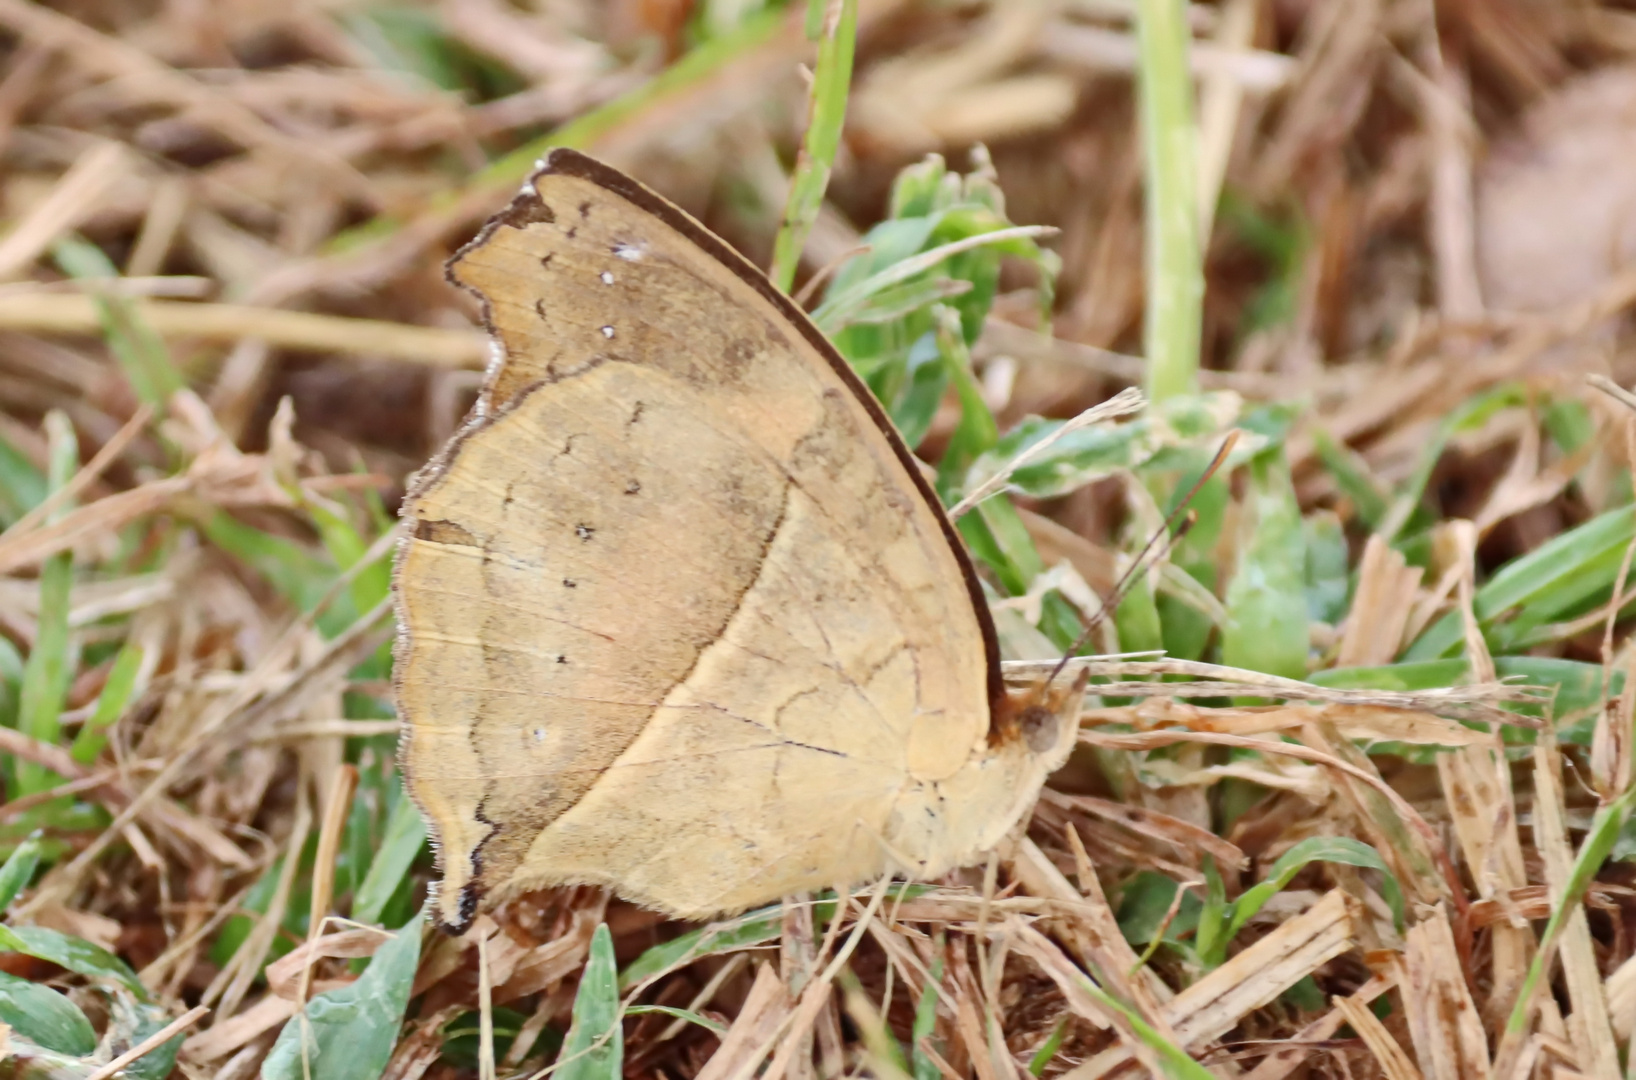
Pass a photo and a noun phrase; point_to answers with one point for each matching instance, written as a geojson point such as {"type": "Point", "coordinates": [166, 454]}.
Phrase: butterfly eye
{"type": "Point", "coordinates": [1039, 728]}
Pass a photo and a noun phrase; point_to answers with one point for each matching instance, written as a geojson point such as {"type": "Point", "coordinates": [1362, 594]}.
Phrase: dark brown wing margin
{"type": "Point", "coordinates": [572, 163]}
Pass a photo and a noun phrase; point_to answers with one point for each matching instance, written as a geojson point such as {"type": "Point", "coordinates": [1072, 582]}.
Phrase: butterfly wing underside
{"type": "Point", "coordinates": [675, 579]}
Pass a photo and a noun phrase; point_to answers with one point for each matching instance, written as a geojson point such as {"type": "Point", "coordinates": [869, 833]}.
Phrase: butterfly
{"type": "Point", "coordinates": [678, 613]}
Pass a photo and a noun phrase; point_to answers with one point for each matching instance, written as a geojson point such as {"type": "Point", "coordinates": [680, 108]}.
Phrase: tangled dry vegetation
{"type": "Point", "coordinates": [225, 339]}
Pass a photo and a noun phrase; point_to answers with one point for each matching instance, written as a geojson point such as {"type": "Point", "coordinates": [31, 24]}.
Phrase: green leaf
{"type": "Point", "coordinates": [405, 836]}
{"type": "Point", "coordinates": [1327, 576]}
{"type": "Point", "coordinates": [346, 546]}
{"type": "Point", "coordinates": [595, 1047]}
{"type": "Point", "coordinates": [132, 1022]}
{"type": "Point", "coordinates": [300, 576]}
{"type": "Point", "coordinates": [348, 1033]}
{"type": "Point", "coordinates": [1172, 1058]}
{"type": "Point", "coordinates": [1599, 840]}
{"type": "Point", "coordinates": [913, 402]}
{"type": "Point", "coordinates": [1266, 600]}
{"type": "Point", "coordinates": [1078, 458]}
{"type": "Point", "coordinates": [1144, 903]}
{"type": "Point", "coordinates": [80, 957]}
{"type": "Point", "coordinates": [41, 1015]}
{"type": "Point", "coordinates": [840, 307]}
{"type": "Point", "coordinates": [977, 431]}
{"type": "Point", "coordinates": [19, 870]}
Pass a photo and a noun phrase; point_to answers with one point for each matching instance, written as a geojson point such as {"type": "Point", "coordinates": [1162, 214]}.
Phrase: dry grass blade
{"type": "Point", "coordinates": [1394, 1062]}
{"type": "Point", "coordinates": [235, 322]}
{"type": "Point", "coordinates": [1589, 1021]}
{"type": "Point", "coordinates": [75, 197]}
{"type": "Point", "coordinates": [1443, 1020]}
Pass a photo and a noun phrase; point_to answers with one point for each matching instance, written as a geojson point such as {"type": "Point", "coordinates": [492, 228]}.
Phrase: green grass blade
{"type": "Point", "coordinates": [840, 307]}
{"type": "Point", "coordinates": [831, 81]}
{"type": "Point", "coordinates": [1172, 1058]}
{"type": "Point", "coordinates": [921, 1063]}
{"type": "Point", "coordinates": [680, 1014]}
{"type": "Point", "coordinates": [348, 1033]}
{"type": "Point", "coordinates": [22, 486]}
{"type": "Point", "coordinates": [747, 931]}
{"type": "Point", "coordinates": [19, 870]}
{"type": "Point", "coordinates": [1598, 845]}
{"type": "Point", "coordinates": [595, 1047]}
{"type": "Point", "coordinates": [1552, 578]}
{"type": "Point", "coordinates": [405, 836]}
{"type": "Point", "coordinates": [1174, 268]}
{"type": "Point", "coordinates": [50, 667]}
{"type": "Point", "coordinates": [1042, 1057]}
{"type": "Point", "coordinates": [140, 351]}
{"type": "Point", "coordinates": [116, 694]}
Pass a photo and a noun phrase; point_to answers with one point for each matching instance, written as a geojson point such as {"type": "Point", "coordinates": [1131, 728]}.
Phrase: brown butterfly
{"type": "Point", "coordinates": [679, 614]}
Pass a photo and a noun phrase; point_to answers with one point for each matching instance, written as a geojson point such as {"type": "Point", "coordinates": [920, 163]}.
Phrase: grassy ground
{"type": "Point", "coordinates": [1366, 815]}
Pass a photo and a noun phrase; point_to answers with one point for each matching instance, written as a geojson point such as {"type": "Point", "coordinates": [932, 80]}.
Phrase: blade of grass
{"type": "Point", "coordinates": [140, 351]}
{"type": "Point", "coordinates": [837, 310]}
{"type": "Point", "coordinates": [926, 1019]}
{"type": "Point", "coordinates": [49, 668]}
{"type": "Point", "coordinates": [1175, 274]}
{"type": "Point", "coordinates": [116, 694]}
{"type": "Point", "coordinates": [1048, 1049]}
{"type": "Point", "coordinates": [404, 837]}
{"type": "Point", "coordinates": [1599, 840]}
{"type": "Point", "coordinates": [19, 870]}
{"type": "Point", "coordinates": [831, 80]}
{"type": "Point", "coordinates": [680, 1014]}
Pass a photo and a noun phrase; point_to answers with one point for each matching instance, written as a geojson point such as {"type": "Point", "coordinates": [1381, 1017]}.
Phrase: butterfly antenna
{"type": "Point", "coordinates": [1164, 539]}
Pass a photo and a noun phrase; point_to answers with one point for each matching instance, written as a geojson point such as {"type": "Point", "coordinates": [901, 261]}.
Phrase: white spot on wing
{"type": "Point", "coordinates": [607, 331]}
{"type": "Point", "coordinates": [607, 278]}
{"type": "Point", "coordinates": [628, 252]}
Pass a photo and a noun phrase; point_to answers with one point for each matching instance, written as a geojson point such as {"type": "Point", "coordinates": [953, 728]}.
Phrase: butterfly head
{"type": "Point", "coordinates": [1044, 718]}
